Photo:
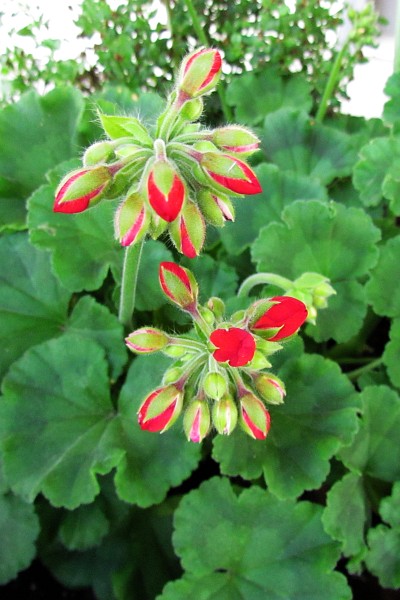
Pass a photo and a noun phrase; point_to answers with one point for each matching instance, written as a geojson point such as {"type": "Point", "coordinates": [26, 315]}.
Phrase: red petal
{"type": "Point", "coordinates": [234, 345]}
{"type": "Point", "coordinates": [289, 314]}
{"type": "Point", "coordinates": [167, 207]}
{"type": "Point", "coordinates": [159, 422]}
{"type": "Point", "coordinates": [187, 247]}
{"type": "Point", "coordinates": [249, 185]}
{"type": "Point", "coordinates": [258, 433]}
{"type": "Point", "coordinates": [131, 235]}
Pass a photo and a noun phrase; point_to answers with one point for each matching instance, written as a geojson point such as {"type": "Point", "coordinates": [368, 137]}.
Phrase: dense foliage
{"type": "Point", "coordinates": [134, 514]}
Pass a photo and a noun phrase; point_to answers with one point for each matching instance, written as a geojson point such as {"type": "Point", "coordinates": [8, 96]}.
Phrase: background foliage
{"type": "Point", "coordinates": [312, 510]}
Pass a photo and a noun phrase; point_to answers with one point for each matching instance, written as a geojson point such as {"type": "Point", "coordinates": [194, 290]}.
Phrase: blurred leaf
{"type": "Point", "coordinates": [37, 133]}
{"type": "Point", "coordinates": [252, 547]}
{"type": "Point", "coordinates": [33, 305]}
{"type": "Point", "coordinates": [82, 245]}
{"type": "Point", "coordinates": [57, 425]}
{"type": "Point", "coordinates": [280, 188]}
{"type": "Point", "coordinates": [94, 321]}
{"type": "Point", "coordinates": [392, 353]}
{"type": "Point", "coordinates": [391, 108]}
{"type": "Point", "coordinates": [19, 528]}
{"type": "Point", "coordinates": [375, 450]}
{"type": "Point", "coordinates": [152, 463]}
{"type": "Point", "coordinates": [335, 241]}
{"type": "Point", "coordinates": [346, 513]}
{"type": "Point", "coordinates": [149, 295]}
{"type": "Point", "coordinates": [214, 278]}
{"type": "Point", "coordinates": [383, 291]}
{"type": "Point", "coordinates": [268, 92]}
{"type": "Point", "coordinates": [317, 418]}
{"type": "Point", "coordinates": [294, 143]}
{"type": "Point", "coordinates": [83, 527]}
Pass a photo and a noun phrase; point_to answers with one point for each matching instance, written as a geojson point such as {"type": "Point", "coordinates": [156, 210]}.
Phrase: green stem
{"type": "Point", "coordinates": [397, 40]}
{"type": "Point", "coordinates": [203, 38]}
{"type": "Point", "coordinates": [353, 375]}
{"type": "Point", "coordinates": [331, 83]}
{"type": "Point", "coordinates": [129, 282]}
{"type": "Point", "coordinates": [264, 278]}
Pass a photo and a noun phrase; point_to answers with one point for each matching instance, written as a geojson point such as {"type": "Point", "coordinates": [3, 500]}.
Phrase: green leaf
{"type": "Point", "coordinates": [375, 450]}
{"type": "Point", "coordinates": [57, 425]}
{"type": "Point", "coordinates": [82, 245]}
{"type": "Point", "coordinates": [383, 559]}
{"type": "Point", "coordinates": [392, 352]}
{"type": "Point", "coordinates": [377, 158]}
{"type": "Point", "coordinates": [391, 108]}
{"type": "Point", "coordinates": [317, 418]}
{"type": "Point", "coordinates": [153, 463]}
{"type": "Point", "coordinates": [250, 547]}
{"type": "Point", "coordinates": [335, 241]}
{"type": "Point", "coordinates": [12, 208]}
{"type": "Point", "coordinates": [346, 513]}
{"type": "Point", "coordinates": [214, 278]}
{"type": "Point", "coordinates": [94, 321]}
{"type": "Point", "coordinates": [19, 528]}
{"type": "Point", "coordinates": [84, 527]}
{"type": "Point", "coordinates": [293, 143]}
{"type": "Point", "coordinates": [37, 133]}
{"type": "Point", "coordinates": [149, 295]}
{"type": "Point", "coordinates": [280, 188]}
{"type": "Point", "coordinates": [33, 305]}
{"type": "Point", "coordinates": [383, 291]}
{"type": "Point", "coordinates": [268, 92]}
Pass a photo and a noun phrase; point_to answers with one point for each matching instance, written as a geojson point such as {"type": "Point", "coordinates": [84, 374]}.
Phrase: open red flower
{"type": "Point", "coordinates": [235, 346]}
{"type": "Point", "coordinates": [288, 313]}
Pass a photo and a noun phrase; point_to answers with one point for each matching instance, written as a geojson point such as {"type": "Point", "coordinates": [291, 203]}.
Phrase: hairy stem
{"type": "Point", "coordinates": [264, 278]}
{"type": "Point", "coordinates": [352, 375]}
{"type": "Point", "coordinates": [129, 282]}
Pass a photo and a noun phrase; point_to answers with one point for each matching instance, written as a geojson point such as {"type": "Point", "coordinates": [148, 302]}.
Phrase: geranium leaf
{"type": "Point", "coordinates": [392, 352]}
{"type": "Point", "coordinates": [280, 188]}
{"type": "Point", "coordinates": [149, 295]}
{"type": "Point", "coordinates": [382, 289]}
{"type": "Point", "coordinates": [375, 450]}
{"type": "Point", "coordinates": [268, 92]}
{"type": "Point", "coordinates": [94, 321]}
{"type": "Point", "coordinates": [335, 241]}
{"type": "Point", "coordinates": [376, 159]}
{"type": "Point", "coordinates": [84, 527]}
{"type": "Point", "coordinates": [33, 304]}
{"type": "Point", "coordinates": [57, 425]}
{"type": "Point", "coordinates": [293, 143]}
{"type": "Point", "coordinates": [249, 546]}
{"type": "Point", "coordinates": [346, 513]}
{"type": "Point", "coordinates": [19, 528]}
{"type": "Point", "coordinates": [317, 418]}
{"type": "Point", "coordinates": [82, 245]}
{"type": "Point", "coordinates": [152, 463]}
{"type": "Point", "coordinates": [214, 278]}
{"type": "Point", "coordinates": [37, 133]}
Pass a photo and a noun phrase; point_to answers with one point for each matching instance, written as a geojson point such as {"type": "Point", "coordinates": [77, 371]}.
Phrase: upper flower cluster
{"type": "Point", "coordinates": [175, 177]}
{"type": "Point", "coordinates": [219, 376]}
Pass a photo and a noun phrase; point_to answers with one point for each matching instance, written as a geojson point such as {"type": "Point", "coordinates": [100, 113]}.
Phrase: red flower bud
{"type": "Point", "coordinates": [146, 340]}
{"type": "Point", "coordinates": [217, 208]}
{"type": "Point", "coordinates": [200, 72]}
{"type": "Point", "coordinates": [288, 314]}
{"type": "Point", "coordinates": [197, 421]}
{"type": "Point", "coordinates": [166, 191]}
{"type": "Point", "coordinates": [254, 417]}
{"type": "Point", "coordinates": [81, 189]}
{"type": "Point", "coordinates": [132, 220]}
{"type": "Point", "coordinates": [160, 409]}
{"type": "Point", "coordinates": [178, 284]}
{"type": "Point", "coordinates": [230, 173]}
{"type": "Point", "coordinates": [234, 345]}
{"type": "Point", "coordinates": [188, 231]}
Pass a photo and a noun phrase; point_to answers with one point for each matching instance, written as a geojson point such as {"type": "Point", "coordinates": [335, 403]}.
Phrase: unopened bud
{"type": "Point", "coordinates": [146, 340]}
{"type": "Point", "coordinates": [234, 138]}
{"type": "Point", "coordinates": [132, 220]}
{"type": "Point", "coordinates": [200, 72]}
{"type": "Point", "coordinates": [230, 173]}
{"type": "Point", "coordinates": [215, 385]}
{"type": "Point", "coordinates": [188, 231]}
{"type": "Point", "coordinates": [270, 388]}
{"type": "Point", "coordinates": [197, 421]}
{"type": "Point", "coordinates": [100, 152]}
{"type": "Point", "coordinates": [82, 189]}
{"type": "Point", "coordinates": [179, 285]}
{"type": "Point", "coordinates": [225, 415]}
{"type": "Point", "coordinates": [160, 409]}
{"type": "Point", "coordinates": [254, 417]}
{"type": "Point", "coordinates": [166, 190]}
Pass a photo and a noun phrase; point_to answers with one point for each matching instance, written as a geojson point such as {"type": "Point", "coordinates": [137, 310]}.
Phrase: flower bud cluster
{"type": "Point", "coordinates": [174, 177]}
{"type": "Point", "coordinates": [220, 376]}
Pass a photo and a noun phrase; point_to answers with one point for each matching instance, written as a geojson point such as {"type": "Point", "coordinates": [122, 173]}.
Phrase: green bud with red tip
{"type": "Point", "coordinates": [166, 190]}
{"type": "Point", "coordinates": [132, 220]}
{"type": "Point", "coordinates": [179, 285]}
{"type": "Point", "coordinates": [199, 72]}
{"type": "Point", "coordinates": [82, 189]}
{"type": "Point", "coordinates": [225, 415]}
{"type": "Point", "coordinates": [197, 421]}
{"type": "Point", "coordinates": [230, 173]}
{"type": "Point", "coordinates": [254, 418]}
{"type": "Point", "coordinates": [216, 207]}
{"type": "Point", "coordinates": [160, 409]}
{"type": "Point", "coordinates": [235, 139]}
{"type": "Point", "coordinates": [270, 388]}
{"type": "Point", "coordinates": [188, 231]}
{"type": "Point", "coordinates": [146, 340]}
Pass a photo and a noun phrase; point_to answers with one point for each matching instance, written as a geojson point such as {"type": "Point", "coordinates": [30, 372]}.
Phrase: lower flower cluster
{"type": "Point", "coordinates": [220, 376]}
